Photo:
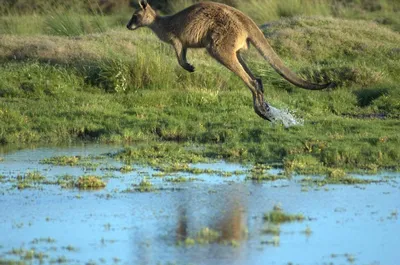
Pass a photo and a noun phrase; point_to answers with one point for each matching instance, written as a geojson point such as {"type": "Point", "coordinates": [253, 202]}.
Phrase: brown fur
{"type": "Point", "coordinates": [224, 31]}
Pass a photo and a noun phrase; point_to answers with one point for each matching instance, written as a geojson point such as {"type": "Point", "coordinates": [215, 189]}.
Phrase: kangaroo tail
{"type": "Point", "coordinates": [269, 54]}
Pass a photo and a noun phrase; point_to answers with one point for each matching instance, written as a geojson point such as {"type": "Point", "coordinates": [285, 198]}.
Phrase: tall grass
{"type": "Point", "coordinates": [263, 11]}
{"type": "Point", "coordinates": [74, 18]}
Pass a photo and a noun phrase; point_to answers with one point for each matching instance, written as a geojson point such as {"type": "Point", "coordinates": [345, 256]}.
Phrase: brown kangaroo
{"type": "Point", "coordinates": [224, 31]}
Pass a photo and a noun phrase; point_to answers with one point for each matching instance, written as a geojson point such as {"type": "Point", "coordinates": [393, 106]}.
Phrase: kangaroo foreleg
{"type": "Point", "coordinates": [181, 55]}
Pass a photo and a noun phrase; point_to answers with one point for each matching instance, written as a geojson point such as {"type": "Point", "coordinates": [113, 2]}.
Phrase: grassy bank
{"type": "Point", "coordinates": [110, 85]}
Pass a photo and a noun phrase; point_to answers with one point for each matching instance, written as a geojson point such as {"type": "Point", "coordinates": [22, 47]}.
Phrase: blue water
{"type": "Point", "coordinates": [356, 221]}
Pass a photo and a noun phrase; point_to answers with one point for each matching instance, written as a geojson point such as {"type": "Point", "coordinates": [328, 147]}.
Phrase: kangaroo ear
{"type": "Point", "coordinates": [143, 4]}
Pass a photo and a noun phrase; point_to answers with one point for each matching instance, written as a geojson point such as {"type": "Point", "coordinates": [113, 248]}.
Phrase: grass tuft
{"type": "Point", "coordinates": [89, 182]}
{"type": "Point", "coordinates": [277, 216]}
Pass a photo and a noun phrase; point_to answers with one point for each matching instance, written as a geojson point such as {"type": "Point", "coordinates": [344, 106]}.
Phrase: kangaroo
{"type": "Point", "coordinates": [224, 31]}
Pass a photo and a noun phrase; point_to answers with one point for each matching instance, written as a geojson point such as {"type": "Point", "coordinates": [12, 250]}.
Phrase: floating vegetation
{"type": "Point", "coordinates": [66, 181]}
{"type": "Point", "coordinates": [48, 240]}
{"type": "Point", "coordinates": [264, 177]}
{"type": "Point", "coordinates": [277, 216]}
{"type": "Point", "coordinates": [205, 236]}
{"type": "Point", "coordinates": [85, 162]}
{"type": "Point", "coordinates": [70, 248]}
{"type": "Point", "coordinates": [339, 176]}
{"type": "Point", "coordinates": [275, 241]}
{"type": "Point", "coordinates": [273, 229]}
{"type": "Point", "coordinates": [183, 167]}
{"type": "Point", "coordinates": [126, 169]}
{"type": "Point", "coordinates": [393, 215]}
{"type": "Point", "coordinates": [159, 174]}
{"type": "Point", "coordinates": [180, 179]}
{"type": "Point", "coordinates": [30, 255]}
{"type": "Point", "coordinates": [62, 160]}
{"type": "Point", "coordinates": [186, 168]}
{"type": "Point", "coordinates": [123, 169]}
{"type": "Point", "coordinates": [60, 259]}
{"type": "Point", "coordinates": [307, 231]}
{"type": "Point", "coordinates": [29, 180]}
{"type": "Point", "coordinates": [89, 182]}
{"type": "Point", "coordinates": [144, 186]}
{"type": "Point", "coordinates": [259, 172]}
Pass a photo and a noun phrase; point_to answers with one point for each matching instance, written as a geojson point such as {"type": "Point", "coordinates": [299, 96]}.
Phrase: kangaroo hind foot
{"type": "Point", "coordinates": [188, 67]}
{"type": "Point", "coordinates": [262, 108]}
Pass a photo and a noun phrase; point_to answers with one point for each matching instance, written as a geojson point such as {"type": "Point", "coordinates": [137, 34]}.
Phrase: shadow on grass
{"type": "Point", "coordinates": [365, 96]}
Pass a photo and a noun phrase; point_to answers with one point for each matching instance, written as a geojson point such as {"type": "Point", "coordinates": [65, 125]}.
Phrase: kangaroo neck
{"type": "Point", "coordinates": [159, 27]}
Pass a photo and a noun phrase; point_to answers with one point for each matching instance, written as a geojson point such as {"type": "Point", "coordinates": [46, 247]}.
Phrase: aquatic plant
{"type": "Point", "coordinates": [338, 176]}
{"type": "Point", "coordinates": [277, 216]}
{"type": "Point", "coordinates": [89, 182]}
{"type": "Point", "coordinates": [144, 186]}
{"type": "Point", "coordinates": [264, 177]}
{"type": "Point", "coordinates": [259, 172]}
{"type": "Point", "coordinates": [307, 231]}
{"type": "Point", "coordinates": [179, 179]}
{"type": "Point", "coordinates": [273, 229]}
{"type": "Point", "coordinates": [62, 160]}
{"type": "Point", "coordinates": [206, 235]}
{"type": "Point", "coordinates": [30, 179]}
{"type": "Point", "coordinates": [126, 169]}
{"type": "Point", "coordinates": [275, 241]}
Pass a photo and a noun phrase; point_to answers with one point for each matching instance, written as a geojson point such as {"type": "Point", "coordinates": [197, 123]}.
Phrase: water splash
{"type": "Point", "coordinates": [285, 116]}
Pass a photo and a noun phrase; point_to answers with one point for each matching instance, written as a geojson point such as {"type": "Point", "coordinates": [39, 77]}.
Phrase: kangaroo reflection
{"type": "Point", "coordinates": [233, 225]}
{"type": "Point", "coordinates": [230, 225]}
{"type": "Point", "coordinates": [182, 227]}
{"type": "Point", "coordinates": [214, 222]}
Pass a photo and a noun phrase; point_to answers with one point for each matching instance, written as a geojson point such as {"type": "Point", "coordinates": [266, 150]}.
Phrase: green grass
{"type": "Point", "coordinates": [85, 78]}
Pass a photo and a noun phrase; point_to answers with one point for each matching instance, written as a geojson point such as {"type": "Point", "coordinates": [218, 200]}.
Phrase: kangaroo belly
{"type": "Point", "coordinates": [195, 35]}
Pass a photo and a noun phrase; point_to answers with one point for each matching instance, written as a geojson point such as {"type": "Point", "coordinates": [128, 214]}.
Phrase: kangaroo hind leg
{"type": "Point", "coordinates": [231, 61]}
{"type": "Point", "coordinates": [260, 86]}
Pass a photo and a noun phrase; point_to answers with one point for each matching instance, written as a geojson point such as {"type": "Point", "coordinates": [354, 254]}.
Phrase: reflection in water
{"type": "Point", "coordinates": [229, 221]}
{"type": "Point", "coordinates": [182, 226]}
{"type": "Point", "coordinates": [233, 224]}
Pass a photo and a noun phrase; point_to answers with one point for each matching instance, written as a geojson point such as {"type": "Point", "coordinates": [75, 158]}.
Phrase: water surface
{"type": "Point", "coordinates": [346, 224]}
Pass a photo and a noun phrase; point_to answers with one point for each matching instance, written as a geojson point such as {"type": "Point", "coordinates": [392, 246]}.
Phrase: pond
{"type": "Point", "coordinates": [214, 216]}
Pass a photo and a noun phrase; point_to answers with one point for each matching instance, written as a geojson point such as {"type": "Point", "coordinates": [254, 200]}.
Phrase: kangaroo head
{"type": "Point", "coordinates": [142, 17]}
